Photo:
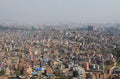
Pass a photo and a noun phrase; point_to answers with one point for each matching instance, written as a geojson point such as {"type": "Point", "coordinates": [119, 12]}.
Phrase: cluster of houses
{"type": "Point", "coordinates": [48, 52]}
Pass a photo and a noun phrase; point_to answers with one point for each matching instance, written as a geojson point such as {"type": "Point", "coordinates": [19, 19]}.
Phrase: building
{"type": "Point", "coordinates": [90, 28]}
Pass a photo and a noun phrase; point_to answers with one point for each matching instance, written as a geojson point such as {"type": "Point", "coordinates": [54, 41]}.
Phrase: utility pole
{"type": "Point", "coordinates": [103, 67]}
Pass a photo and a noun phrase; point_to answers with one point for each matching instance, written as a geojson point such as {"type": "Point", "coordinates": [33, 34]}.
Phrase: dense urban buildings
{"type": "Point", "coordinates": [59, 52]}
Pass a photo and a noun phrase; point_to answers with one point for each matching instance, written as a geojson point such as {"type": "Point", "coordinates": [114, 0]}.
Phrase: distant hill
{"type": "Point", "coordinates": [11, 28]}
{"type": "Point", "coordinates": [3, 27]}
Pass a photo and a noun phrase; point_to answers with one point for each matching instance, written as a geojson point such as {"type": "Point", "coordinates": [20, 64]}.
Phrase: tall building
{"type": "Point", "coordinates": [90, 28]}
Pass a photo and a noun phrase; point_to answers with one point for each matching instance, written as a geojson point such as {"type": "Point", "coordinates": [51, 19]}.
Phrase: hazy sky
{"type": "Point", "coordinates": [59, 11]}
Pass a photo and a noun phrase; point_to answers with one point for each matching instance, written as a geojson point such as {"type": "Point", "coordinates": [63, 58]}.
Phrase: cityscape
{"type": "Point", "coordinates": [60, 52]}
{"type": "Point", "coordinates": [59, 39]}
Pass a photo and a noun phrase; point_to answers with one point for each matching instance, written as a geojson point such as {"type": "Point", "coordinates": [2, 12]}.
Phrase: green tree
{"type": "Point", "coordinates": [2, 72]}
{"type": "Point", "coordinates": [116, 52]}
{"type": "Point", "coordinates": [75, 74]}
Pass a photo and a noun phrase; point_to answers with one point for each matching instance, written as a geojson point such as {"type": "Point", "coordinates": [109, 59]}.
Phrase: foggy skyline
{"type": "Point", "coordinates": [59, 11]}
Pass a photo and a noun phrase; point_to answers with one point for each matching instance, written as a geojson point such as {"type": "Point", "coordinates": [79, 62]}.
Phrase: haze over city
{"type": "Point", "coordinates": [59, 11]}
{"type": "Point", "coordinates": [59, 39]}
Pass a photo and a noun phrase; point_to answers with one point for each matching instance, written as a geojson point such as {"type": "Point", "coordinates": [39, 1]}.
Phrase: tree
{"type": "Point", "coordinates": [2, 72]}
{"type": "Point", "coordinates": [32, 77]}
{"type": "Point", "coordinates": [116, 52]}
{"type": "Point", "coordinates": [75, 74]}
